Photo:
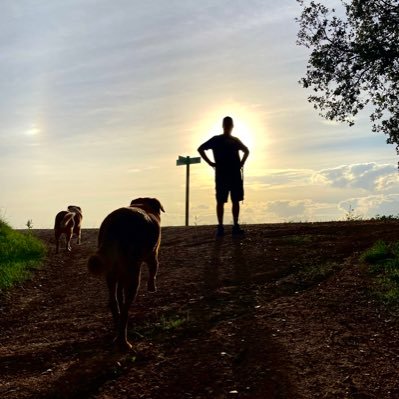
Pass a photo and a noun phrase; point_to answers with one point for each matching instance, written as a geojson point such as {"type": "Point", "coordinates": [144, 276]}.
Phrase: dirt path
{"type": "Point", "coordinates": [251, 317]}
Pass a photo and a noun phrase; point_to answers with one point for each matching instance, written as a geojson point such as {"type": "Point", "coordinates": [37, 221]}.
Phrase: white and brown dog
{"type": "Point", "coordinates": [128, 237]}
{"type": "Point", "coordinates": [69, 223]}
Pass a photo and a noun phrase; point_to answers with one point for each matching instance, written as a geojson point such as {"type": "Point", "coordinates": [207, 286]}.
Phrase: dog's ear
{"type": "Point", "coordinates": [155, 204]}
{"type": "Point", "coordinates": [136, 201]}
{"type": "Point", "coordinates": [74, 206]}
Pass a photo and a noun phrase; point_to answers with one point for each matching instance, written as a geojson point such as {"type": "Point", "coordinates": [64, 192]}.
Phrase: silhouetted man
{"type": "Point", "coordinates": [228, 166]}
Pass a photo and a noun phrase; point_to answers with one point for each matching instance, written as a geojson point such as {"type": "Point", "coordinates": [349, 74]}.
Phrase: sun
{"type": "Point", "coordinates": [247, 127]}
{"type": "Point", "coordinates": [33, 131]}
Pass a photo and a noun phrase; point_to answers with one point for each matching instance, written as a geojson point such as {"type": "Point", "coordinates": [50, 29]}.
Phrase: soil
{"type": "Point", "coordinates": [284, 312]}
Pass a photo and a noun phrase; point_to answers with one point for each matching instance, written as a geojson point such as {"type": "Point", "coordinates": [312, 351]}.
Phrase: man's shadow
{"type": "Point", "coordinates": [242, 273]}
{"type": "Point", "coordinates": [212, 269]}
{"type": "Point", "coordinates": [238, 262]}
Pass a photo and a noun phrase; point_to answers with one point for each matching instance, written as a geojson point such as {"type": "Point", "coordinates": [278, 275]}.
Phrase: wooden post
{"type": "Point", "coordinates": [187, 161]}
{"type": "Point", "coordinates": [187, 190]}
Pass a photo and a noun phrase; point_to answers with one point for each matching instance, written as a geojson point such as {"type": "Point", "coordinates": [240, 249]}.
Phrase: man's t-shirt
{"type": "Point", "coordinates": [225, 152]}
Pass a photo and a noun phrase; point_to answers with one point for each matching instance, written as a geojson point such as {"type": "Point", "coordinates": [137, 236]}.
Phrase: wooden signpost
{"type": "Point", "coordinates": [187, 161]}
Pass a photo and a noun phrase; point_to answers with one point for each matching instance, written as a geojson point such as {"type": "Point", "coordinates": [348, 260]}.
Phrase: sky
{"type": "Point", "coordinates": [99, 98]}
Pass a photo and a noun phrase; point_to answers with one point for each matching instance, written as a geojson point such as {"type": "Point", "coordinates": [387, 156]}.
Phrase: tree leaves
{"type": "Point", "coordinates": [354, 61]}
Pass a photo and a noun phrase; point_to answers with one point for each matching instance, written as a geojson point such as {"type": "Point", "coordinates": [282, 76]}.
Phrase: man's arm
{"type": "Point", "coordinates": [244, 158]}
{"type": "Point", "coordinates": [201, 149]}
{"type": "Point", "coordinates": [245, 150]}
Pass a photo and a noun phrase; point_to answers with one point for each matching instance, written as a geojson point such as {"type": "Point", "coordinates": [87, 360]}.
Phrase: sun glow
{"type": "Point", "coordinates": [33, 131]}
{"type": "Point", "coordinates": [247, 127]}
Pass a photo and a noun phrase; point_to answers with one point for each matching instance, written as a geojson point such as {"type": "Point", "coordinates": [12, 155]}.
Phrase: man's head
{"type": "Point", "coordinates": [228, 124]}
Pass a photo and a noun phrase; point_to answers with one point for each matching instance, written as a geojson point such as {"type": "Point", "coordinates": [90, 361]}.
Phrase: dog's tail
{"type": "Point", "coordinates": [96, 264]}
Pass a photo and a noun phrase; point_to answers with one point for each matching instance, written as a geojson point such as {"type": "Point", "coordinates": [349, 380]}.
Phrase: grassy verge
{"type": "Point", "coordinates": [383, 263]}
{"type": "Point", "coordinates": [315, 273]}
{"type": "Point", "coordinates": [19, 254]}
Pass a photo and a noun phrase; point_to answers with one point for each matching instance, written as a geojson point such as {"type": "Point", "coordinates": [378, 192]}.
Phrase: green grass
{"type": "Point", "coordinates": [317, 272]}
{"type": "Point", "coordinates": [380, 252]}
{"type": "Point", "coordinates": [173, 323]}
{"type": "Point", "coordinates": [383, 263]}
{"type": "Point", "coordinates": [20, 254]}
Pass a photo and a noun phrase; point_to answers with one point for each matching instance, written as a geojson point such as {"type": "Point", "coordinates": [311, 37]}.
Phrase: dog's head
{"type": "Point", "coordinates": [151, 205]}
{"type": "Point", "coordinates": [74, 208]}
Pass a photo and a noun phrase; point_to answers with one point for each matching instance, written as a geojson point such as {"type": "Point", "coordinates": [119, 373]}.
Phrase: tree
{"type": "Point", "coordinates": [354, 61]}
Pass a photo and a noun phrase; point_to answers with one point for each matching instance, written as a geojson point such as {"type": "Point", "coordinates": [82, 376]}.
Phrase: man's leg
{"type": "Point", "coordinates": [236, 211]}
{"type": "Point", "coordinates": [237, 230]}
{"type": "Point", "coordinates": [220, 212]}
{"type": "Point", "coordinates": [237, 195]}
{"type": "Point", "coordinates": [222, 193]}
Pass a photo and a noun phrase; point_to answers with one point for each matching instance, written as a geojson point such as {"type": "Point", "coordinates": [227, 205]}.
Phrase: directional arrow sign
{"type": "Point", "coordinates": [187, 160]}
{"type": "Point", "coordinates": [195, 160]}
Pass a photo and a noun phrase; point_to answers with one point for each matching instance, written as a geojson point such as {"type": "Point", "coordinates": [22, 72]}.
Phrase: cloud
{"type": "Point", "coordinates": [372, 205]}
{"type": "Point", "coordinates": [387, 182]}
{"type": "Point", "coordinates": [277, 177]}
{"type": "Point", "coordinates": [286, 208]}
{"type": "Point", "coordinates": [301, 210]}
{"type": "Point", "coordinates": [367, 176]}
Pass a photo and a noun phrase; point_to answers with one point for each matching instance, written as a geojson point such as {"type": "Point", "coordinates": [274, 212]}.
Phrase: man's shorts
{"type": "Point", "coordinates": [229, 183]}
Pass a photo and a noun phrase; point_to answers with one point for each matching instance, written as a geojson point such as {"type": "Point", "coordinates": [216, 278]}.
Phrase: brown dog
{"type": "Point", "coordinates": [127, 238]}
{"type": "Point", "coordinates": [68, 222]}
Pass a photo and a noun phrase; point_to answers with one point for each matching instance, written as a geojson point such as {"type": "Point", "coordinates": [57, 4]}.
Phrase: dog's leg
{"type": "Point", "coordinates": [113, 302]}
{"type": "Point", "coordinates": [120, 294]}
{"type": "Point", "coordinates": [131, 286]}
{"type": "Point", "coordinates": [153, 269]}
{"type": "Point", "coordinates": [79, 237]}
{"type": "Point", "coordinates": [68, 238]}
